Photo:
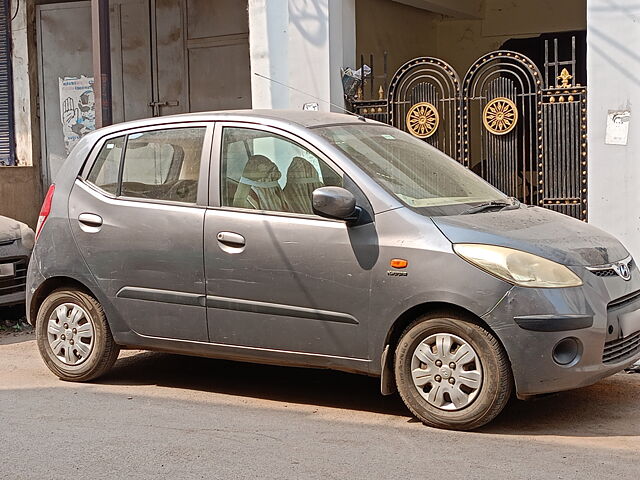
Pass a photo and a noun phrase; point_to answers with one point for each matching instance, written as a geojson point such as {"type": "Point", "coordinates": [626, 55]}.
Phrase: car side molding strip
{"type": "Point", "coordinates": [223, 303]}
{"type": "Point", "coordinates": [165, 296]}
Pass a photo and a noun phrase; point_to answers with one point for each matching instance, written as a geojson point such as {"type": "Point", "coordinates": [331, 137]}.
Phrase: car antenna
{"type": "Point", "coordinates": [359, 117]}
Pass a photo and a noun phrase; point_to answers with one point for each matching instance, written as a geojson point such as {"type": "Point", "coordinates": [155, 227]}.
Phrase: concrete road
{"type": "Point", "coordinates": [167, 416]}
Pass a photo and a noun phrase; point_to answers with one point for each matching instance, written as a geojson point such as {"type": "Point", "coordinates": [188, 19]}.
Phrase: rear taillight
{"type": "Point", "coordinates": [45, 210]}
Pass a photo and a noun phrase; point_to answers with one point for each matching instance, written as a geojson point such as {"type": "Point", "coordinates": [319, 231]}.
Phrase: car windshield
{"type": "Point", "coordinates": [419, 175]}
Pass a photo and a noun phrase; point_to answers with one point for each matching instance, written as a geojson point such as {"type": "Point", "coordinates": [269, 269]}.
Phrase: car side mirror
{"type": "Point", "coordinates": [335, 202]}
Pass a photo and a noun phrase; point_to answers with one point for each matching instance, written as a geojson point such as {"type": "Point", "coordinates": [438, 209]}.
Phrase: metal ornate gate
{"type": "Point", "coordinates": [564, 122]}
{"type": "Point", "coordinates": [502, 130]}
{"type": "Point", "coordinates": [424, 100]}
{"type": "Point", "coordinates": [522, 132]}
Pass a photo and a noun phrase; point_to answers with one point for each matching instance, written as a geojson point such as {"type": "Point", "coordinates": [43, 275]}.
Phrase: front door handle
{"type": "Point", "coordinates": [90, 222]}
{"type": "Point", "coordinates": [231, 239]}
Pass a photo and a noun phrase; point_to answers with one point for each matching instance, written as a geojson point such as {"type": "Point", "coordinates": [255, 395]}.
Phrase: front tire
{"type": "Point", "coordinates": [73, 336]}
{"type": "Point", "coordinates": [451, 373]}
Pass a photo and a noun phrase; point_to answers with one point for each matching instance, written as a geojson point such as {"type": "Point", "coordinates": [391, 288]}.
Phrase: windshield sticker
{"type": "Point", "coordinates": [388, 137]}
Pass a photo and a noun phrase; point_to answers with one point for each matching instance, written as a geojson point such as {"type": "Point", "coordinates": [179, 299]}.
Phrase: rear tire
{"type": "Point", "coordinates": [452, 374]}
{"type": "Point", "coordinates": [73, 336]}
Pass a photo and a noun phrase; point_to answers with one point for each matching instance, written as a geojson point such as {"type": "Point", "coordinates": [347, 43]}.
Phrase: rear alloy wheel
{"type": "Point", "coordinates": [451, 373]}
{"type": "Point", "coordinates": [70, 333]}
{"type": "Point", "coordinates": [73, 336]}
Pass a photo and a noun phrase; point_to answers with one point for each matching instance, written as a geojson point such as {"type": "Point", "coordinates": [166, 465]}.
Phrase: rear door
{"type": "Point", "coordinates": [278, 276]}
{"type": "Point", "coordinates": [137, 214]}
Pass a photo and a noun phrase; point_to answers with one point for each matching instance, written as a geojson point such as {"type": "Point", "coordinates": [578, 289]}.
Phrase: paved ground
{"type": "Point", "coordinates": [167, 416]}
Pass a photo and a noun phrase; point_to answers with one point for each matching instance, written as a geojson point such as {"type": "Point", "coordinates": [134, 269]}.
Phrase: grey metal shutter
{"type": "Point", "coordinates": [7, 149]}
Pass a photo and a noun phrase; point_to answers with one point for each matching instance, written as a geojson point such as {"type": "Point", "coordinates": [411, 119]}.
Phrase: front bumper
{"type": "Point", "coordinates": [532, 322]}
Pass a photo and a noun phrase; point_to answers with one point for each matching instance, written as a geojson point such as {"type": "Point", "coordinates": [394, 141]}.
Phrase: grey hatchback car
{"type": "Point", "coordinates": [330, 241]}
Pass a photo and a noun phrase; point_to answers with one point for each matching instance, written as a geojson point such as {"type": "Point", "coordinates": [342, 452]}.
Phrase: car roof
{"type": "Point", "coordinates": [300, 118]}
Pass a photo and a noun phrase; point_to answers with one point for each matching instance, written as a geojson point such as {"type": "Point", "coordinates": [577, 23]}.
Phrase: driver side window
{"type": "Point", "coordinates": [265, 171]}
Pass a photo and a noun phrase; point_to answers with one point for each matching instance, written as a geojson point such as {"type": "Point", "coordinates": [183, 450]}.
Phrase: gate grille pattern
{"type": "Point", "coordinates": [565, 151]}
{"type": "Point", "coordinates": [511, 162]}
{"type": "Point", "coordinates": [373, 109]}
{"type": "Point", "coordinates": [431, 80]}
{"type": "Point", "coordinates": [503, 173]}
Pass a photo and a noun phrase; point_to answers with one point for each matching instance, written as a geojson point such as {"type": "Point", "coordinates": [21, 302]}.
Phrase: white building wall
{"type": "Point", "coordinates": [613, 38]}
{"type": "Point", "coordinates": [302, 44]}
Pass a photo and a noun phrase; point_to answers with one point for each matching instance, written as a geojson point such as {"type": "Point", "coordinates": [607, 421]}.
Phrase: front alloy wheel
{"type": "Point", "coordinates": [446, 371]}
{"type": "Point", "coordinates": [452, 373]}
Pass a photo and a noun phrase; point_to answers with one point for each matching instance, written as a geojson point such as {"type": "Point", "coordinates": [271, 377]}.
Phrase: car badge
{"type": "Point", "coordinates": [623, 270]}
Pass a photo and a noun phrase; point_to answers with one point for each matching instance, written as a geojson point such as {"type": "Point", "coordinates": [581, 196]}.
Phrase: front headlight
{"type": "Point", "coordinates": [517, 267]}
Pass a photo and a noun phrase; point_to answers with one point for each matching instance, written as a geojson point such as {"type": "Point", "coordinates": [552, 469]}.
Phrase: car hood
{"type": "Point", "coordinates": [9, 230]}
{"type": "Point", "coordinates": [536, 230]}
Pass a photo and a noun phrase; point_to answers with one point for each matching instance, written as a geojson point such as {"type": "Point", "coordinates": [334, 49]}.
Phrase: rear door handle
{"type": "Point", "coordinates": [90, 222]}
{"type": "Point", "coordinates": [231, 239]}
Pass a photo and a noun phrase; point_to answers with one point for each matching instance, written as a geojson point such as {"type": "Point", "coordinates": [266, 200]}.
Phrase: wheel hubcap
{"type": "Point", "coordinates": [446, 371]}
{"type": "Point", "coordinates": [70, 334]}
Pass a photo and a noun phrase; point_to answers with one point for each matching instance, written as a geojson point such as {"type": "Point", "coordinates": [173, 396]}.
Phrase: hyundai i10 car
{"type": "Point", "coordinates": [324, 240]}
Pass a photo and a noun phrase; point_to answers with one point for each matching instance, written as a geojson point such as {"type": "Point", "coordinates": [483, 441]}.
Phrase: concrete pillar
{"type": "Point", "coordinates": [613, 32]}
{"type": "Point", "coordinates": [101, 51]}
{"type": "Point", "coordinates": [302, 44]}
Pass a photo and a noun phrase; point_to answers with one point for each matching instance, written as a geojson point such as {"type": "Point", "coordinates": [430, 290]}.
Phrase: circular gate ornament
{"type": "Point", "coordinates": [423, 120]}
{"type": "Point", "coordinates": [500, 116]}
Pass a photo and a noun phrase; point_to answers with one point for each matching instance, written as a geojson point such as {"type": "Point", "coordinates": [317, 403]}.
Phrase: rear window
{"type": "Point", "coordinates": [104, 173]}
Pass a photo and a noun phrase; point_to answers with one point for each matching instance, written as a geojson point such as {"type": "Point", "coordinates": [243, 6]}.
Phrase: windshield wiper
{"type": "Point", "coordinates": [514, 204]}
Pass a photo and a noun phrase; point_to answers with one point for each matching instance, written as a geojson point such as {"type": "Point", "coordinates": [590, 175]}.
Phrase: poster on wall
{"type": "Point", "coordinates": [77, 109]}
{"type": "Point", "coordinates": [617, 132]}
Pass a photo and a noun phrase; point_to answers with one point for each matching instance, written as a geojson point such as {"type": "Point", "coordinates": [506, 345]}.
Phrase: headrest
{"type": "Point", "coordinates": [302, 171]}
{"type": "Point", "coordinates": [260, 172]}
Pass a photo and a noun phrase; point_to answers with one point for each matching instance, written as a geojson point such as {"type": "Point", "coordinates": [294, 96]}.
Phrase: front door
{"type": "Point", "coordinates": [137, 216]}
{"type": "Point", "coordinates": [278, 276]}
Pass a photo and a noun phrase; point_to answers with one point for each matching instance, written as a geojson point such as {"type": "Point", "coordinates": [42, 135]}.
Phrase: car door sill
{"type": "Point", "coordinates": [134, 340]}
{"type": "Point", "coordinates": [260, 349]}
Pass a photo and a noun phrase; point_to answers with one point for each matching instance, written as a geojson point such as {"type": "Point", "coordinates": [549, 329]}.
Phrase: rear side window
{"type": "Point", "coordinates": [163, 164]}
{"type": "Point", "coordinates": [159, 165]}
{"type": "Point", "coordinates": [104, 173]}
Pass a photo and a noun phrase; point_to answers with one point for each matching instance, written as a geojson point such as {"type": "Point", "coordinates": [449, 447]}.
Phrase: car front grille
{"type": "Point", "coordinates": [623, 301]}
{"type": "Point", "coordinates": [18, 281]}
{"type": "Point", "coordinates": [619, 350]}
{"type": "Point", "coordinates": [607, 272]}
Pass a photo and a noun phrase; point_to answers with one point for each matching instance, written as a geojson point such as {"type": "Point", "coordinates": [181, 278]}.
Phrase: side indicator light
{"type": "Point", "coordinates": [399, 263]}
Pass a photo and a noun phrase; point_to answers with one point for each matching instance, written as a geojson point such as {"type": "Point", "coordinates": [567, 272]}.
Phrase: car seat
{"type": "Point", "coordinates": [261, 176]}
{"type": "Point", "coordinates": [302, 180]}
